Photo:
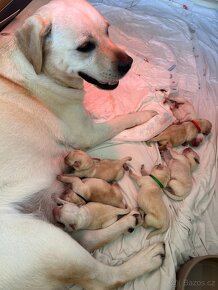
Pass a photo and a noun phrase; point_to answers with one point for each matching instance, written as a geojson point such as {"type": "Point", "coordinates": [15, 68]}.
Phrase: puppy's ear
{"type": "Point", "coordinates": [30, 39]}
{"type": "Point", "coordinates": [197, 160]}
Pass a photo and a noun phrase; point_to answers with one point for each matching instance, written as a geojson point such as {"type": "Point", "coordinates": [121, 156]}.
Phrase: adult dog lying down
{"type": "Point", "coordinates": [42, 116]}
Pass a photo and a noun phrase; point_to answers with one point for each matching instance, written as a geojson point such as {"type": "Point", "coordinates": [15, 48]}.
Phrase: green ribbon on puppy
{"type": "Point", "coordinates": [156, 180]}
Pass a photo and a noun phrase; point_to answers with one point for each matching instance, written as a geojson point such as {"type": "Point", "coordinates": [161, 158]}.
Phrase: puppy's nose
{"type": "Point", "coordinates": [124, 64]}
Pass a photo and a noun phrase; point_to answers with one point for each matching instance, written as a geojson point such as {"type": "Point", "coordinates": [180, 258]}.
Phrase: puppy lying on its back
{"type": "Point", "coordinates": [185, 133]}
{"type": "Point", "coordinates": [181, 168]}
{"type": "Point", "coordinates": [92, 189]}
{"type": "Point", "coordinates": [149, 197]}
{"type": "Point", "coordinates": [86, 166]}
{"type": "Point", "coordinates": [181, 108]}
{"type": "Point", "coordinates": [92, 215]}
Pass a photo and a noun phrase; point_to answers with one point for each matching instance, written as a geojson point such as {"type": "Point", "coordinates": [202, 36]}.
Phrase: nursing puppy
{"type": "Point", "coordinates": [86, 166]}
{"type": "Point", "coordinates": [91, 216]}
{"type": "Point", "coordinates": [182, 109]}
{"type": "Point", "coordinates": [185, 133]}
{"type": "Point", "coordinates": [181, 167]}
{"type": "Point", "coordinates": [92, 189]}
{"type": "Point", "coordinates": [149, 197]}
{"type": "Point", "coordinates": [42, 118]}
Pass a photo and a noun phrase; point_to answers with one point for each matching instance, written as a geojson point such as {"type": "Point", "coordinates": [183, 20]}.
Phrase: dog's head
{"type": "Point", "coordinates": [79, 160]}
{"type": "Point", "coordinates": [69, 41]}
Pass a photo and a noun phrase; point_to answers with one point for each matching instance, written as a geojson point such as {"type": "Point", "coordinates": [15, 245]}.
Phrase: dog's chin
{"type": "Point", "coordinates": [100, 85]}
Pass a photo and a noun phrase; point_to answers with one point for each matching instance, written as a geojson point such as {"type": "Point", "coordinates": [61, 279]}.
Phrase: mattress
{"type": "Point", "coordinates": [174, 46]}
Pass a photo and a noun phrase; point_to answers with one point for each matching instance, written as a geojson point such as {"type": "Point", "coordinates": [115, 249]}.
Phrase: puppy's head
{"type": "Point", "coordinates": [205, 126]}
{"type": "Point", "coordinates": [69, 41]}
{"type": "Point", "coordinates": [162, 173]}
{"type": "Point", "coordinates": [79, 160]}
{"type": "Point", "coordinates": [192, 156]}
{"type": "Point", "coordinates": [68, 215]}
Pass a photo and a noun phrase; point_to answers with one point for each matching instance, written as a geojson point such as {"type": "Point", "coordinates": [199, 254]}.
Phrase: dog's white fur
{"type": "Point", "coordinates": [92, 189]}
{"type": "Point", "coordinates": [86, 166]}
{"type": "Point", "coordinates": [181, 168]}
{"type": "Point", "coordinates": [42, 116]}
{"type": "Point", "coordinates": [150, 200]}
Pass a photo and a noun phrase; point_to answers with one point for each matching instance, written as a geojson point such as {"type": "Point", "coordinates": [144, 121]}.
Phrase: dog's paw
{"type": "Point", "coordinates": [151, 258]}
{"type": "Point", "coordinates": [148, 259]}
{"type": "Point", "coordinates": [143, 116]}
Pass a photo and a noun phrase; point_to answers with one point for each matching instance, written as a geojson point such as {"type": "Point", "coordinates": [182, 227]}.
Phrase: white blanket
{"type": "Point", "coordinates": [170, 48]}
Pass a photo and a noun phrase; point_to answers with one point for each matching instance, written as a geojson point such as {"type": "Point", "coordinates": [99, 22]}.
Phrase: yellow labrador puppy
{"type": "Point", "coordinates": [189, 132]}
{"type": "Point", "coordinates": [182, 109]}
{"type": "Point", "coordinates": [92, 189]}
{"type": "Point", "coordinates": [86, 166]}
{"type": "Point", "coordinates": [42, 117]}
{"type": "Point", "coordinates": [181, 168]}
{"type": "Point", "coordinates": [149, 197]}
{"type": "Point", "coordinates": [91, 216]}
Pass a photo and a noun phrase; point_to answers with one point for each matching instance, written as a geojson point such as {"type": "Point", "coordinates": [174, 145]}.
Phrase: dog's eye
{"type": "Point", "coordinates": [86, 47]}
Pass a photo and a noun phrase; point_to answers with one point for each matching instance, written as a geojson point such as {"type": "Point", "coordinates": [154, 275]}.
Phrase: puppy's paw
{"type": "Point", "coordinates": [136, 220]}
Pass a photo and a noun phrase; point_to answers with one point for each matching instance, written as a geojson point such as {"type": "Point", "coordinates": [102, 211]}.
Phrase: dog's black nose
{"type": "Point", "coordinates": [124, 64]}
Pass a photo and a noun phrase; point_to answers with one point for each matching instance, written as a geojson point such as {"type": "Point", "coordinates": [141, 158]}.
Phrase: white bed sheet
{"type": "Point", "coordinates": [166, 33]}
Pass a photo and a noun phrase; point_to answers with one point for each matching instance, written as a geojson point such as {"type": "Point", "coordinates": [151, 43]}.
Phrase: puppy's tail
{"type": "Point", "coordinates": [173, 196]}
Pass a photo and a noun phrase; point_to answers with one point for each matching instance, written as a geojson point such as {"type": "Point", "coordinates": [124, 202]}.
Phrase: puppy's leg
{"type": "Point", "coordinates": [71, 196]}
{"type": "Point", "coordinates": [94, 239]}
{"type": "Point", "coordinates": [197, 141]}
{"type": "Point", "coordinates": [143, 170]}
{"type": "Point", "coordinates": [124, 166]}
{"type": "Point", "coordinates": [135, 177]}
{"type": "Point", "coordinates": [176, 189]}
{"type": "Point", "coordinates": [160, 225]}
{"type": "Point", "coordinates": [77, 185]}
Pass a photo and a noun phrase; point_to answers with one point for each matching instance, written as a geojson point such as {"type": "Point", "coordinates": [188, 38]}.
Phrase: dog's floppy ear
{"type": "Point", "coordinates": [30, 39]}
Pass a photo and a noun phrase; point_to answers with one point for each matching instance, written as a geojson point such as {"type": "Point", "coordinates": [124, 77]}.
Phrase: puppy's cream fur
{"type": "Point", "coordinates": [185, 133]}
{"type": "Point", "coordinates": [91, 216]}
{"type": "Point", "coordinates": [93, 189]}
{"type": "Point", "coordinates": [150, 200]}
{"type": "Point", "coordinates": [182, 109]}
{"type": "Point", "coordinates": [181, 168]}
{"type": "Point", "coordinates": [42, 118]}
{"type": "Point", "coordinates": [86, 166]}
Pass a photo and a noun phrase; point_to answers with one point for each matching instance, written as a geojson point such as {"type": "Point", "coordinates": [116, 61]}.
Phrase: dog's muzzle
{"type": "Point", "coordinates": [123, 66]}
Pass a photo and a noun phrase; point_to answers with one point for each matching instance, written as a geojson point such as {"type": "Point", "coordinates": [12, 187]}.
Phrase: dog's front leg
{"type": "Point", "coordinates": [113, 127]}
{"type": "Point", "coordinates": [94, 133]}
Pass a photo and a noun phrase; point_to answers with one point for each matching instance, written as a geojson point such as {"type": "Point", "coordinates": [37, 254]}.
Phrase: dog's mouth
{"type": "Point", "coordinates": [101, 85]}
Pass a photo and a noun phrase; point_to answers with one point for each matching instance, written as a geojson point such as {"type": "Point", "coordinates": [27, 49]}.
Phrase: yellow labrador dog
{"type": "Point", "coordinates": [41, 100]}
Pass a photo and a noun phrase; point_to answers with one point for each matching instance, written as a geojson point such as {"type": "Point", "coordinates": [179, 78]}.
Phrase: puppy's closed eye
{"type": "Point", "coordinates": [86, 46]}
